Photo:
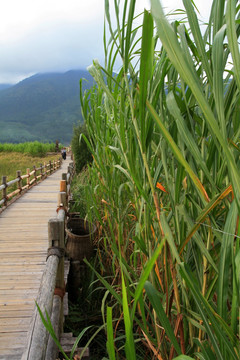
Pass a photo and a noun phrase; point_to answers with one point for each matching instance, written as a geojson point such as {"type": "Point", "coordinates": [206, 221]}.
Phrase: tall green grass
{"type": "Point", "coordinates": [11, 162]}
{"type": "Point", "coordinates": [164, 185]}
{"type": "Point", "coordinates": [34, 148]}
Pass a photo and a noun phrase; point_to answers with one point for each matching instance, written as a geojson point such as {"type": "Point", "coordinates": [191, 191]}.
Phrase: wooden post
{"type": "Point", "coordinates": [28, 178]}
{"type": "Point", "coordinates": [45, 169]}
{"type": "Point", "coordinates": [19, 181]}
{"type": "Point", "coordinates": [56, 239]}
{"type": "Point", "coordinates": [63, 186]}
{"type": "Point", "coordinates": [41, 170]}
{"type": "Point", "coordinates": [4, 192]}
{"type": "Point", "coordinates": [64, 176]}
{"type": "Point", "coordinates": [62, 199]}
{"type": "Point", "coordinates": [50, 166]}
{"type": "Point", "coordinates": [35, 173]}
{"type": "Point", "coordinates": [56, 236]}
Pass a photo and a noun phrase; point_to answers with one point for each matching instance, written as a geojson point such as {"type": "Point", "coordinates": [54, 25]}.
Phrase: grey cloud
{"type": "Point", "coordinates": [52, 47]}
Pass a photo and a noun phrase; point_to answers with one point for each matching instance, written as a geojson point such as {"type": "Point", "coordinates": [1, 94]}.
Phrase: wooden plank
{"type": "Point", "coordinates": [16, 313]}
{"type": "Point", "coordinates": [23, 250]}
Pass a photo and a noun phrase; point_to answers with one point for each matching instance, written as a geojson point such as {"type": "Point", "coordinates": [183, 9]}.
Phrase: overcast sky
{"type": "Point", "coordinates": [57, 35]}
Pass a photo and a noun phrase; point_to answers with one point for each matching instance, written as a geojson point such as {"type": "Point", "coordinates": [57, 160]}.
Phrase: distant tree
{"type": "Point", "coordinates": [82, 155]}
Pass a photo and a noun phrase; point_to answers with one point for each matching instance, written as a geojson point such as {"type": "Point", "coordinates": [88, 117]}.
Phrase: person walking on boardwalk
{"type": "Point", "coordinates": [64, 153]}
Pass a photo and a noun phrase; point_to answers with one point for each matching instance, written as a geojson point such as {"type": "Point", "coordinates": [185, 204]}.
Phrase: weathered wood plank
{"type": "Point", "coordinates": [24, 239]}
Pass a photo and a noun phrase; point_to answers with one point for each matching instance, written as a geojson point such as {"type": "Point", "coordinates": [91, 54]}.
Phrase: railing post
{"type": "Point", "coordinates": [56, 241]}
{"type": "Point", "coordinates": [63, 186]}
{"type": "Point", "coordinates": [41, 170]}
{"type": "Point", "coordinates": [50, 166]}
{"type": "Point", "coordinates": [62, 199]}
{"type": "Point", "coordinates": [44, 169]}
{"type": "Point", "coordinates": [35, 173]}
{"type": "Point", "coordinates": [19, 181]}
{"type": "Point", "coordinates": [4, 192]}
{"type": "Point", "coordinates": [28, 178]}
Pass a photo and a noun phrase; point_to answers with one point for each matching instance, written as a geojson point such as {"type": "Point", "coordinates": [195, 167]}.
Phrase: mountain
{"type": "Point", "coordinates": [4, 86]}
{"type": "Point", "coordinates": [42, 107]}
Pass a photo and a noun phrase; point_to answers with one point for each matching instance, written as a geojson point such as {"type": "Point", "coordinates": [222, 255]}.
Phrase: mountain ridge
{"type": "Point", "coordinates": [42, 107]}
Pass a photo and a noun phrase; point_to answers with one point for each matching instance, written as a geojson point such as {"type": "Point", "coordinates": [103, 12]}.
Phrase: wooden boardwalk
{"type": "Point", "coordinates": [23, 250]}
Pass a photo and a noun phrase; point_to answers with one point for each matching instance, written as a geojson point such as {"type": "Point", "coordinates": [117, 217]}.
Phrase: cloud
{"type": "Point", "coordinates": [56, 35]}
{"type": "Point", "coordinates": [49, 35]}
{"type": "Point", "coordinates": [53, 47]}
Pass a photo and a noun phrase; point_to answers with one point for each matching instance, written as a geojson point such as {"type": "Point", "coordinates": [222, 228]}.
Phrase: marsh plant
{"type": "Point", "coordinates": [34, 148]}
{"type": "Point", "coordinates": [165, 181]}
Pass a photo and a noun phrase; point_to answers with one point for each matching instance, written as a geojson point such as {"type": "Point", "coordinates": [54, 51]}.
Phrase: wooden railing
{"type": "Point", "coordinates": [50, 297]}
{"type": "Point", "coordinates": [32, 178]}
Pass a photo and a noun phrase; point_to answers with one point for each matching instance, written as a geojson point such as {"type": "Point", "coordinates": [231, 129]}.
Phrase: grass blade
{"type": "Point", "coordinates": [110, 341]}
{"type": "Point", "coordinates": [129, 345]}
{"type": "Point", "coordinates": [157, 305]}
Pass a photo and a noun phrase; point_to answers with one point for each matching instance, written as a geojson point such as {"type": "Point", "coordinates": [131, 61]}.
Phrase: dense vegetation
{"type": "Point", "coordinates": [43, 107]}
{"type": "Point", "coordinates": [34, 148]}
{"type": "Point", "coordinates": [164, 184]}
{"type": "Point", "coordinates": [82, 155]}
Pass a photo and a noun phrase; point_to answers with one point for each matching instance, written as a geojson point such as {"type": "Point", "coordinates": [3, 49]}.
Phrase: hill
{"type": "Point", "coordinates": [4, 86]}
{"type": "Point", "coordinates": [43, 107]}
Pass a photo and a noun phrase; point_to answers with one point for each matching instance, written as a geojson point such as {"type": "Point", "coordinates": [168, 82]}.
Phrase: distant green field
{"type": "Point", "coordinates": [11, 162]}
{"type": "Point", "coordinates": [34, 148]}
{"type": "Point", "coordinates": [14, 157]}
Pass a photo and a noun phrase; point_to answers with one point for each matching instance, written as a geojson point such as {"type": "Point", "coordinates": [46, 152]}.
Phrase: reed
{"type": "Point", "coordinates": [34, 148]}
{"type": "Point", "coordinates": [164, 186]}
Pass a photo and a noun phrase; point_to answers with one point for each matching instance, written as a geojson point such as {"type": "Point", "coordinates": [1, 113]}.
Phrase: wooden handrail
{"type": "Point", "coordinates": [32, 178]}
{"type": "Point", "coordinates": [39, 344]}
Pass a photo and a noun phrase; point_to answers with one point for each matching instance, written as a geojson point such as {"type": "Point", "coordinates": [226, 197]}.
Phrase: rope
{"type": "Point", "coordinates": [57, 251]}
{"type": "Point", "coordinates": [60, 292]}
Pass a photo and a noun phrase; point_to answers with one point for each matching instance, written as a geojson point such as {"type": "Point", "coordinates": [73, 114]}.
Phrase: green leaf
{"type": "Point", "coordinates": [129, 345]}
{"type": "Point", "coordinates": [196, 32]}
{"type": "Point", "coordinates": [187, 136]}
{"type": "Point", "coordinates": [211, 322]}
{"type": "Point", "coordinates": [179, 61]}
{"type": "Point", "coordinates": [225, 260]}
{"type": "Point", "coordinates": [146, 63]}
{"type": "Point", "coordinates": [48, 325]}
{"type": "Point", "coordinates": [232, 38]}
{"type": "Point", "coordinates": [110, 341]}
{"type": "Point", "coordinates": [146, 272]}
{"type": "Point", "coordinates": [178, 153]}
{"type": "Point", "coordinates": [162, 317]}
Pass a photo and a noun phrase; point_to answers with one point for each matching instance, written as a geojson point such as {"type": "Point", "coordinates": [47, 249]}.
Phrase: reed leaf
{"type": "Point", "coordinates": [110, 339]}
{"type": "Point", "coordinates": [157, 306]}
